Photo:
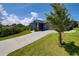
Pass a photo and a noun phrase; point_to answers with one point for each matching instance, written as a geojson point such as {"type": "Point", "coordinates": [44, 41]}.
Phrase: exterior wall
{"type": "Point", "coordinates": [36, 25]}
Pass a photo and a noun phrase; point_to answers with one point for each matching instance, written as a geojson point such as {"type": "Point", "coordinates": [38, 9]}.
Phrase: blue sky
{"type": "Point", "coordinates": [23, 10]}
{"type": "Point", "coordinates": [73, 9]}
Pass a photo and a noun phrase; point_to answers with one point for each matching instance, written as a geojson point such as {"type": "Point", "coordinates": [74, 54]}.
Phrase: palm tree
{"type": "Point", "coordinates": [59, 19]}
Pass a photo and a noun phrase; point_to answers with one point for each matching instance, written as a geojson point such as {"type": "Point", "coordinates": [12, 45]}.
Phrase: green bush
{"type": "Point", "coordinates": [12, 29]}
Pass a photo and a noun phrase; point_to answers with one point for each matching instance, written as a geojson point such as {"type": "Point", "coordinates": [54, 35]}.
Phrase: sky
{"type": "Point", "coordinates": [25, 12]}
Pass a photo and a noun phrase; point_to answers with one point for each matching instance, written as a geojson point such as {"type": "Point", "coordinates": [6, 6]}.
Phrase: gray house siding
{"type": "Point", "coordinates": [39, 25]}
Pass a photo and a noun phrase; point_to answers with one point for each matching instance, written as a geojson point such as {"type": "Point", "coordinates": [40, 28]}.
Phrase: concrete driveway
{"type": "Point", "coordinates": [13, 44]}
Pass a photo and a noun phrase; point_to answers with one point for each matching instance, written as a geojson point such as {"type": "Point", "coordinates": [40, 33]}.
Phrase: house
{"type": "Point", "coordinates": [40, 25]}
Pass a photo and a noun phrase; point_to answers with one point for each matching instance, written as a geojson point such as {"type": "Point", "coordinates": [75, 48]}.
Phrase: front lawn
{"type": "Point", "coordinates": [15, 35]}
{"type": "Point", "coordinates": [48, 46]}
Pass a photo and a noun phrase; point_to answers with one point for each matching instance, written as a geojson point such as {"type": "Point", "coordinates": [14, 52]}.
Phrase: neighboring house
{"type": "Point", "coordinates": [40, 25]}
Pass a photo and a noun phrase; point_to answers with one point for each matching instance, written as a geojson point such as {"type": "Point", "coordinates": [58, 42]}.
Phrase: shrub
{"type": "Point", "coordinates": [12, 29]}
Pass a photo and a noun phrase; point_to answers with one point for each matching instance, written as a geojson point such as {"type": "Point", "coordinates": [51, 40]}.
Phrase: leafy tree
{"type": "Point", "coordinates": [74, 23]}
{"type": "Point", "coordinates": [12, 29]}
{"type": "Point", "coordinates": [59, 19]}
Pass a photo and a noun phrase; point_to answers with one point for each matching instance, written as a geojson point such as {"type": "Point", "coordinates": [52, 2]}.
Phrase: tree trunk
{"type": "Point", "coordinates": [60, 38]}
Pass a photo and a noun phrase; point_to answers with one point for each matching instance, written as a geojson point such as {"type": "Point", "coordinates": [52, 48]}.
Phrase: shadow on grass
{"type": "Point", "coordinates": [71, 48]}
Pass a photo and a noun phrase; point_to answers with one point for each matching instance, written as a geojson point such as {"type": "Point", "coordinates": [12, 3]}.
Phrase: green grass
{"type": "Point", "coordinates": [15, 35]}
{"type": "Point", "coordinates": [48, 46]}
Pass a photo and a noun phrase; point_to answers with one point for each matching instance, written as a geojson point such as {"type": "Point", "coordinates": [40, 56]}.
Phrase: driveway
{"type": "Point", "coordinates": [13, 44]}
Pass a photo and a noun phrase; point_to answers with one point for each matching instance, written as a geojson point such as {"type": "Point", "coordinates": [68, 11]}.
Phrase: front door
{"type": "Point", "coordinates": [41, 26]}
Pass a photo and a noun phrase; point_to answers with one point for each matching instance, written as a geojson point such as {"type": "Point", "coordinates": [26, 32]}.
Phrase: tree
{"type": "Point", "coordinates": [12, 29]}
{"type": "Point", "coordinates": [74, 23]}
{"type": "Point", "coordinates": [0, 25]}
{"type": "Point", "coordinates": [59, 19]}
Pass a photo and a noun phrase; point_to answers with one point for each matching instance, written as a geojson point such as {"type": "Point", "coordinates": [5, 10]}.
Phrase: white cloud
{"type": "Point", "coordinates": [34, 14]}
{"type": "Point", "coordinates": [5, 22]}
{"type": "Point", "coordinates": [13, 19]}
{"type": "Point", "coordinates": [1, 7]}
{"type": "Point", "coordinates": [26, 21]}
{"type": "Point", "coordinates": [4, 13]}
{"type": "Point", "coordinates": [9, 19]}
